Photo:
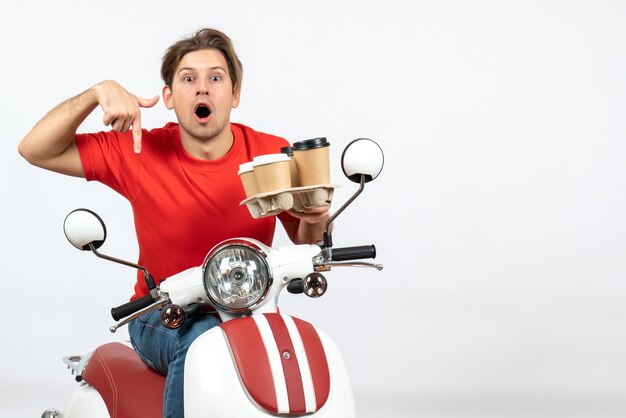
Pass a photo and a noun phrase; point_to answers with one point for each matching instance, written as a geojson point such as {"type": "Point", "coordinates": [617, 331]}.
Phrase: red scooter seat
{"type": "Point", "coordinates": [129, 388]}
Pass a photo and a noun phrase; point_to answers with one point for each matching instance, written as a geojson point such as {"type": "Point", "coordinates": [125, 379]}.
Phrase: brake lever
{"type": "Point", "coordinates": [157, 305]}
{"type": "Point", "coordinates": [327, 265]}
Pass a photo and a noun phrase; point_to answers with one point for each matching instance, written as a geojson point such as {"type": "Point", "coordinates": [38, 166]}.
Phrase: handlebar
{"type": "Point", "coordinates": [131, 307]}
{"type": "Point", "coordinates": [354, 253]}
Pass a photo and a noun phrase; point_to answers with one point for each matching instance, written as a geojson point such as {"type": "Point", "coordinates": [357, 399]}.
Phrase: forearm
{"type": "Point", "coordinates": [311, 233]}
{"type": "Point", "coordinates": [53, 135]}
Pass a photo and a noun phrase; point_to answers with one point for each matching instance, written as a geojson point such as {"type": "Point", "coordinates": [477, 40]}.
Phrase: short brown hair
{"type": "Point", "coordinates": [203, 39]}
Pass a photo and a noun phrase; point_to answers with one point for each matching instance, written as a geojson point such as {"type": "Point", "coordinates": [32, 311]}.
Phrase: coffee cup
{"type": "Point", "coordinates": [272, 172]}
{"type": "Point", "coordinates": [248, 179]}
{"type": "Point", "coordinates": [312, 161]}
{"type": "Point", "coordinates": [295, 182]}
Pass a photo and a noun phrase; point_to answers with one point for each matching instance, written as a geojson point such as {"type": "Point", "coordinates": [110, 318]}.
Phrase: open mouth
{"type": "Point", "coordinates": [202, 112]}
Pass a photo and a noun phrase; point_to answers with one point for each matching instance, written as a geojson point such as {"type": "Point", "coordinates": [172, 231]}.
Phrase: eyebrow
{"type": "Point", "coordinates": [194, 69]}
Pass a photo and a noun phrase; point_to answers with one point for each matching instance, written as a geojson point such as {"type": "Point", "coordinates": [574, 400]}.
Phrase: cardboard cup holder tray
{"type": "Point", "coordinates": [296, 198]}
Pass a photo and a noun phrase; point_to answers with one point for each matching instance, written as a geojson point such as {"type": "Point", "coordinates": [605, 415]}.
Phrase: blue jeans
{"type": "Point", "coordinates": [165, 349]}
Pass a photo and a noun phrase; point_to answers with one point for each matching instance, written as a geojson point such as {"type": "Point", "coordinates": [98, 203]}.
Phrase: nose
{"type": "Point", "coordinates": [203, 89]}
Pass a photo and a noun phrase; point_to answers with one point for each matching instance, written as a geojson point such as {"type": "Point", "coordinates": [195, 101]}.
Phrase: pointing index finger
{"type": "Point", "coordinates": [137, 133]}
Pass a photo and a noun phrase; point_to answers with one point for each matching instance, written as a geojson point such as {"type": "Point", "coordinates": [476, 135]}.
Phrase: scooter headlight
{"type": "Point", "coordinates": [236, 275]}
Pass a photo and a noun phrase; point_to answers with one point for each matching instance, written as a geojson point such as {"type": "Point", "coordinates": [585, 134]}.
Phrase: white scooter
{"type": "Point", "coordinates": [258, 362]}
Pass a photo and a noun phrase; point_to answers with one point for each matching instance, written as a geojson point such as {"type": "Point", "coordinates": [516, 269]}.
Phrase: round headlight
{"type": "Point", "coordinates": [236, 275]}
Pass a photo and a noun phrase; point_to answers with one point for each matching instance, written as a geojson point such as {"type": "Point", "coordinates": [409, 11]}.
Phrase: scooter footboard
{"type": "Point", "coordinates": [266, 365]}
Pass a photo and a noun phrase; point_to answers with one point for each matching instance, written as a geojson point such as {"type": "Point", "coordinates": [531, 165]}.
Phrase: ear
{"type": "Point", "coordinates": [167, 97]}
{"type": "Point", "coordinates": [236, 97]}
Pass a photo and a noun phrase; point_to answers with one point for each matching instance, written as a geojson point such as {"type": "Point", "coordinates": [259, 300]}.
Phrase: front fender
{"type": "Point", "coordinates": [240, 369]}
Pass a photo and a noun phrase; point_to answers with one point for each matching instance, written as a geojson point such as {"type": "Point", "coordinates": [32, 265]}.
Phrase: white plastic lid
{"type": "Point", "coordinates": [269, 159]}
{"type": "Point", "coordinates": [245, 168]}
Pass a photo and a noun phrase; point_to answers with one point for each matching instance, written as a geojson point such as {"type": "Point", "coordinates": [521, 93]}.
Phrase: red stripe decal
{"type": "Point", "coordinates": [317, 360]}
{"type": "Point", "coordinates": [252, 362]}
{"type": "Point", "coordinates": [293, 379]}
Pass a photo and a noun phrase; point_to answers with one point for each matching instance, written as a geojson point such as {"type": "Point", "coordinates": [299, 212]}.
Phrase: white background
{"type": "Point", "coordinates": [500, 215]}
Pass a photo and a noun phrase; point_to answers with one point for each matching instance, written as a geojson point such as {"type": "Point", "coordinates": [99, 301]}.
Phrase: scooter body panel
{"type": "Point", "coordinates": [213, 386]}
{"type": "Point", "coordinates": [84, 402]}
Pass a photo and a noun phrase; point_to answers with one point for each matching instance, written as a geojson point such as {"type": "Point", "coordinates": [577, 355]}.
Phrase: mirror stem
{"type": "Point", "coordinates": [328, 240]}
{"type": "Point", "coordinates": [149, 280]}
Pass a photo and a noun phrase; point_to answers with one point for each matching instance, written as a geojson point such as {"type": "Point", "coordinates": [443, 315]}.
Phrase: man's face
{"type": "Point", "coordinates": [202, 95]}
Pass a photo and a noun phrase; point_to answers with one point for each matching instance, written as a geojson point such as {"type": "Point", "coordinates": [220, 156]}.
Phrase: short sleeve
{"type": "Point", "coordinates": [108, 158]}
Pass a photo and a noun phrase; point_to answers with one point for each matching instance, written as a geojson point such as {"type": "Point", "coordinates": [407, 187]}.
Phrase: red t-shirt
{"type": "Point", "coordinates": [182, 206]}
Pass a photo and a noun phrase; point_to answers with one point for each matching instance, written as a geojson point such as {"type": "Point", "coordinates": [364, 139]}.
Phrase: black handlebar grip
{"type": "Point", "coordinates": [354, 253]}
{"type": "Point", "coordinates": [131, 307]}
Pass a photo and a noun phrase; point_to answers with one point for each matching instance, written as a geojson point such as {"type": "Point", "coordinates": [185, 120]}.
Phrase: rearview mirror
{"type": "Point", "coordinates": [83, 227]}
{"type": "Point", "coordinates": [362, 157]}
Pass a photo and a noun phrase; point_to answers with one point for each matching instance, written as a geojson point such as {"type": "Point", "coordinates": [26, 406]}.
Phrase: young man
{"type": "Point", "coordinates": [181, 180]}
